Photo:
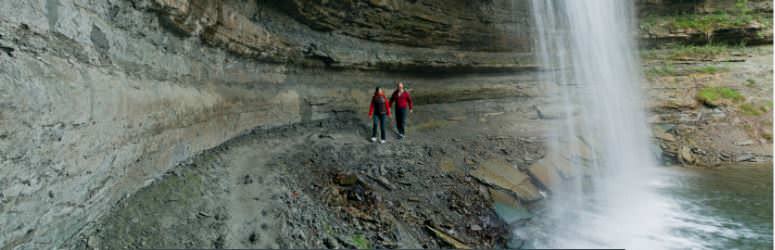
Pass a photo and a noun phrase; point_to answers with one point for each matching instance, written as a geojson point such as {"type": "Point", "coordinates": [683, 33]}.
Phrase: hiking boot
{"type": "Point", "coordinates": [374, 139]}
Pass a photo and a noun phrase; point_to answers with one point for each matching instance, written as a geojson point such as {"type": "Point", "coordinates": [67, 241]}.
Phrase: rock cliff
{"type": "Point", "coordinates": [99, 98]}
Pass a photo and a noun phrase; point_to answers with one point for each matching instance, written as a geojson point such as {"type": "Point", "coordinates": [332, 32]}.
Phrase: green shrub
{"type": "Point", "coordinates": [710, 69]}
{"type": "Point", "coordinates": [662, 70]}
{"type": "Point", "coordinates": [670, 70]}
{"type": "Point", "coordinates": [716, 96]}
{"type": "Point", "coordinates": [750, 109]}
{"type": "Point", "coordinates": [708, 51]}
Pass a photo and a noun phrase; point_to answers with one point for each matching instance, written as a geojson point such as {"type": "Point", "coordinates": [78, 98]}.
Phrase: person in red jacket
{"type": "Point", "coordinates": [404, 105]}
{"type": "Point", "coordinates": [379, 110]}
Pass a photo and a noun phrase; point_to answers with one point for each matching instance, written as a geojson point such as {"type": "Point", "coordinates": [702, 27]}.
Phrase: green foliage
{"type": "Point", "coordinates": [662, 70]}
{"type": "Point", "coordinates": [751, 109]}
{"type": "Point", "coordinates": [694, 52]}
{"type": "Point", "coordinates": [715, 96]}
{"type": "Point", "coordinates": [742, 6]}
{"type": "Point", "coordinates": [709, 22]}
{"type": "Point", "coordinates": [709, 69]}
{"type": "Point", "coordinates": [708, 51]}
{"type": "Point", "coordinates": [360, 241]}
{"type": "Point", "coordinates": [671, 70]}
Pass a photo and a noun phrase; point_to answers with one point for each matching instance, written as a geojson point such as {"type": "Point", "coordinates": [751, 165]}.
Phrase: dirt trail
{"type": "Point", "coordinates": [320, 185]}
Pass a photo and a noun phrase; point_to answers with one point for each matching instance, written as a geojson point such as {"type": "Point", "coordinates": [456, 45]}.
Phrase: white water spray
{"type": "Point", "coordinates": [589, 52]}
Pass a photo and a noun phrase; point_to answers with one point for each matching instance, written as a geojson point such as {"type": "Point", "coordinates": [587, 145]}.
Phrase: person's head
{"type": "Point", "coordinates": [400, 86]}
{"type": "Point", "coordinates": [378, 91]}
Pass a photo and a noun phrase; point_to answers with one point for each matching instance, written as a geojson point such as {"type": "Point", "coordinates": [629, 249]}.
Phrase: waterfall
{"type": "Point", "coordinates": [605, 196]}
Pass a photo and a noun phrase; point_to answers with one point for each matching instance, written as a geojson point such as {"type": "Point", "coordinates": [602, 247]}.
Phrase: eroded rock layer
{"type": "Point", "coordinates": [99, 98]}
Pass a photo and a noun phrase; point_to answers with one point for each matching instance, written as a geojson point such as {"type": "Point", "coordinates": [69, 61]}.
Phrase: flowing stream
{"type": "Point", "coordinates": [616, 196]}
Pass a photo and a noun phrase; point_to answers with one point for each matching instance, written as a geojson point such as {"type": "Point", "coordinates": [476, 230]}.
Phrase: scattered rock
{"type": "Point", "coordinates": [686, 155]}
{"type": "Point", "coordinates": [515, 243]}
{"type": "Point", "coordinates": [219, 242]}
{"type": "Point", "coordinates": [330, 243]}
{"type": "Point", "coordinates": [664, 136]}
{"type": "Point", "coordinates": [744, 143]}
{"type": "Point", "coordinates": [724, 156]}
{"type": "Point", "coordinates": [253, 238]}
{"type": "Point", "coordinates": [348, 243]}
{"type": "Point", "coordinates": [492, 114]}
{"type": "Point", "coordinates": [247, 180]}
{"type": "Point", "coordinates": [384, 182]}
{"type": "Point", "coordinates": [455, 243]}
{"type": "Point", "coordinates": [92, 242]}
{"type": "Point", "coordinates": [745, 157]}
{"type": "Point", "coordinates": [343, 179]}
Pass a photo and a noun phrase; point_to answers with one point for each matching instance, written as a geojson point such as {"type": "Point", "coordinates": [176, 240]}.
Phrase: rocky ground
{"type": "Point", "coordinates": [712, 105]}
{"type": "Point", "coordinates": [324, 185]}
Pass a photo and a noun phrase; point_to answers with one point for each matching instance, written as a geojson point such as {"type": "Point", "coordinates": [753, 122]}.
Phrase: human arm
{"type": "Point", "coordinates": [371, 108]}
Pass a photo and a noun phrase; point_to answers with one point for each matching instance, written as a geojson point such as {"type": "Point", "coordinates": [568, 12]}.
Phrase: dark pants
{"type": "Point", "coordinates": [401, 119]}
{"type": "Point", "coordinates": [378, 118]}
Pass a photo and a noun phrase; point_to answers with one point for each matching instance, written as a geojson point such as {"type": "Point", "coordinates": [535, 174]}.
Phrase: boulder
{"type": "Point", "coordinates": [562, 164]}
{"type": "Point", "coordinates": [446, 238]}
{"type": "Point", "coordinates": [686, 155]}
{"type": "Point", "coordinates": [502, 175]}
{"type": "Point", "coordinates": [544, 173]}
{"type": "Point", "coordinates": [664, 136]}
{"type": "Point", "coordinates": [508, 207]}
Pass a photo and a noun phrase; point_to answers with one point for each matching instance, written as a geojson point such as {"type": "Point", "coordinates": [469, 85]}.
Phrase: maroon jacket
{"type": "Point", "coordinates": [401, 100]}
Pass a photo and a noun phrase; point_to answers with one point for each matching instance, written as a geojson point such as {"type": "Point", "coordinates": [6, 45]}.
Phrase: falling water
{"type": "Point", "coordinates": [593, 75]}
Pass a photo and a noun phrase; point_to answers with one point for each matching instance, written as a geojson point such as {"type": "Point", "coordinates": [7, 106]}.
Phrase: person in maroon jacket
{"type": "Point", "coordinates": [404, 105]}
{"type": "Point", "coordinates": [379, 110]}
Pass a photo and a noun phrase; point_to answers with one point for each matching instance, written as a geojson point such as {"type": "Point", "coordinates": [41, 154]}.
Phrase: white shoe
{"type": "Point", "coordinates": [374, 139]}
{"type": "Point", "coordinates": [381, 141]}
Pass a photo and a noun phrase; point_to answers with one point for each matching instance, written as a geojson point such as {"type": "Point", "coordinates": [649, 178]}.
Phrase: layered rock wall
{"type": "Point", "coordinates": [99, 98]}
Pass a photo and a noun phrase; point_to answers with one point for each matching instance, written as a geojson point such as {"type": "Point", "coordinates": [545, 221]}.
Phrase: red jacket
{"type": "Point", "coordinates": [402, 101]}
{"type": "Point", "coordinates": [374, 101]}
